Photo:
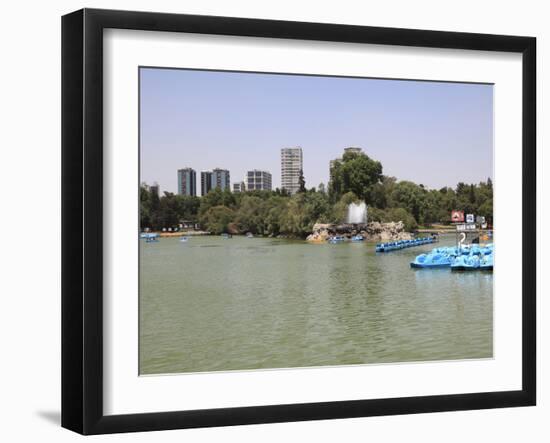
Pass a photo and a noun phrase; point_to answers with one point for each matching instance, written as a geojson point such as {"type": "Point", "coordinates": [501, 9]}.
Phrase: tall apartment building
{"type": "Point", "coordinates": [353, 150]}
{"type": "Point", "coordinates": [258, 180]}
{"type": "Point", "coordinates": [239, 187]}
{"type": "Point", "coordinates": [187, 182]}
{"type": "Point", "coordinates": [206, 182]}
{"type": "Point", "coordinates": [217, 178]}
{"type": "Point", "coordinates": [221, 179]}
{"type": "Point", "coordinates": [291, 167]}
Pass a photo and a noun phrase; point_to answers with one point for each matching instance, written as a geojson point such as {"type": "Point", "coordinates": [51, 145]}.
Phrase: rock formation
{"type": "Point", "coordinates": [373, 232]}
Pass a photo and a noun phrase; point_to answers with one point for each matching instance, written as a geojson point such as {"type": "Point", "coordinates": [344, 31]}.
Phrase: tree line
{"type": "Point", "coordinates": [356, 177]}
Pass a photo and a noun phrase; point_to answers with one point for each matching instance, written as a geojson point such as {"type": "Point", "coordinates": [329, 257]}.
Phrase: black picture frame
{"type": "Point", "coordinates": [82, 218]}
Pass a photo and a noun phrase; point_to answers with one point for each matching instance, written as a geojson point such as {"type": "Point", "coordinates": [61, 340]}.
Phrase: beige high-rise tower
{"type": "Point", "coordinates": [291, 167]}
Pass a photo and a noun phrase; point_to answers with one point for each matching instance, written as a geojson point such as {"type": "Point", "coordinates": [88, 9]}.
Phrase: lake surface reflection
{"type": "Point", "coordinates": [214, 304]}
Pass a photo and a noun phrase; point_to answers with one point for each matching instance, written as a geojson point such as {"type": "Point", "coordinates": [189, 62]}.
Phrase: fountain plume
{"type": "Point", "coordinates": [357, 213]}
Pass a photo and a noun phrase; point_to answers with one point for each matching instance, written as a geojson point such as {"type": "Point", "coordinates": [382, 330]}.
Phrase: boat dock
{"type": "Point", "coordinates": [469, 254]}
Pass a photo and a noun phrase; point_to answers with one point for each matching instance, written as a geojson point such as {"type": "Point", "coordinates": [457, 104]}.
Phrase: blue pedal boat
{"type": "Point", "coordinates": [435, 260]}
{"type": "Point", "coordinates": [150, 237]}
{"type": "Point", "coordinates": [466, 263]}
{"type": "Point", "coordinates": [486, 262]}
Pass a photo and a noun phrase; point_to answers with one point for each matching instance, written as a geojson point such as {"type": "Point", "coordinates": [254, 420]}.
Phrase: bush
{"type": "Point", "coordinates": [400, 214]}
{"type": "Point", "coordinates": [251, 214]}
{"type": "Point", "coordinates": [217, 218]}
{"type": "Point", "coordinates": [375, 214]}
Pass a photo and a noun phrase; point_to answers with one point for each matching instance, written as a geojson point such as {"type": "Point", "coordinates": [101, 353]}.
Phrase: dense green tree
{"type": "Point", "coordinates": [155, 198]}
{"type": "Point", "coordinates": [317, 207]}
{"type": "Point", "coordinates": [252, 214]}
{"type": "Point", "coordinates": [376, 214]}
{"type": "Point", "coordinates": [293, 218]}
{"type": "Point", "coordinates": [431, 211]}
{"type": "Point", "coordinates": [168, 213]}
{"type": "Point", "coordinates": [393, 215]}
{"type": "Point", "coordinates": [401, 214]}
{"type": "Point", "coordinates": [302, 182]}
{"type": "Point", "coordinates": [188, 207]}
{"type": "Point", "coordinates": [217, 218]}
{"type": "Point", "coordinates": [409, 196]}
{"type": "Point", "coordinates": [217, 197]}
{"type": "Point", "coordinates": [486, 210]}
{"type": "Point", "coordinates": [144, 206]}
{"type": "Point", "coordinates": [378, 196]}
{"type": "Point", "coordinates": [276, 207]}
{"type": "Point", "coordinates": [356, 173]}
{"type": "Point", "coordinates": [381, 192]}
{"type": "Point", "coordinates": [302, 211]}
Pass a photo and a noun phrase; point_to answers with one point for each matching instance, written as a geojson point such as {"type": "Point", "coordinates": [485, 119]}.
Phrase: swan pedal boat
{"type": "Point", "coordinates": [466, 263]}
{"type": "Point", "coordinates": [435, 260]}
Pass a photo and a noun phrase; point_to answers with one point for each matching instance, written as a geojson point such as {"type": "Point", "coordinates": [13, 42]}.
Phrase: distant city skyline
{"type": "Point", "coordinates": [432, 133]}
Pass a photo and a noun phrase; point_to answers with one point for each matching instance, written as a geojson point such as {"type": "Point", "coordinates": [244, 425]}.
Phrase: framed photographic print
{"type": "Point", "coordinates": [269, 221]}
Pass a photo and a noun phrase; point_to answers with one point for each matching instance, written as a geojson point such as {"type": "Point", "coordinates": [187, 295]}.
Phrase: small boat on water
{"type": "Point", "coordinates": [357, 238]}
{"type": "Point", "coordinates": [184, 239]}
{"type": "Point", "coordinates": [336, 239]}
{"type": "Point", "coordinates": [225, 235]}
{"type": "Point", "coordinates": [150, 237]}
{"type": "Point", "coordinates": [249, 235]}
{"type": "Point", "coordinates": [432, 260]}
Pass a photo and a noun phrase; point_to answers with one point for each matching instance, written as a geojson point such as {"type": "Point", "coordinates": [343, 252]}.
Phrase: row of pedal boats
{"type": "Point", "coordinates": [403, 244]}
{"type": "Point", "coordinates": [385, 247]}
{"type": "Point", "coordinates": [463, 258]}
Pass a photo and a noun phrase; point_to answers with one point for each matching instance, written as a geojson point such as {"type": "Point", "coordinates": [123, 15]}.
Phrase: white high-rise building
{"type": "Point", "coordinates": [291, 168]}
{"type": "Point", "coordinates": [258, 180]}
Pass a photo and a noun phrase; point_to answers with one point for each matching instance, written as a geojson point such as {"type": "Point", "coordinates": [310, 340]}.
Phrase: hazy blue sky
{"type": "Point", "coordinates": [432, 133]}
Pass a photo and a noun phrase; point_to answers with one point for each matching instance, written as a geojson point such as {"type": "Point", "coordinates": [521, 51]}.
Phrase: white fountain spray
{"type": "Point", "coordinates": [357, 213]}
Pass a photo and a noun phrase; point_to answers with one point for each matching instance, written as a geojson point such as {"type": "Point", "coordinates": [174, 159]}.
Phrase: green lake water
{"type": "Point", "coordinates": [214, 304]}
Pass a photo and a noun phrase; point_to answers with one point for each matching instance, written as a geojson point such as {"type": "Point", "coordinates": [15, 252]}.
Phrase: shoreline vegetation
{"type": "Point", "coordinates": [354, 178]}
{"type": "Point", "coordinates": [371, 232]}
